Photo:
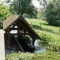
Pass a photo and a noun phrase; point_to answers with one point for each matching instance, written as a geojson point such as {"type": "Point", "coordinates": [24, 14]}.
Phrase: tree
{"type": "Point", "coordinates": [4, 13]}
{"type": "Point", "coordinates": [43, 2]}
{"type": "Point", "coordinates": [53, 12]}
{"type": "Point", "coordinates": [41, 14]}
{"type": "Point", "coordinates": [23, 7]}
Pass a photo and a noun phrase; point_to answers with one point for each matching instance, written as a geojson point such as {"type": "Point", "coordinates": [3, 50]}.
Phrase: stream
{"type": "Point", "coordinates": [38, 47]}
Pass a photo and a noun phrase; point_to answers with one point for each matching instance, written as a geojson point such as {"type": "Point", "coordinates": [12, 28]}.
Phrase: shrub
{"type": "Point", "coordinates": [54, 47]}
{"type": "Point", "coordinates": [51, 42]}
{"type": "Point", "coordinates": [46, 38]}
{"type": "Point", "coordinates": [4, 13]}
{"type": "Point", "coordinates": [52, 12]}
{"type": "Point", "coordinates": [32, 56]}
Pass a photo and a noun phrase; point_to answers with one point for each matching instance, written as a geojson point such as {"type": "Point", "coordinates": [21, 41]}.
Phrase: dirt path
{"type": "Point", "coordinates": [2, 49]}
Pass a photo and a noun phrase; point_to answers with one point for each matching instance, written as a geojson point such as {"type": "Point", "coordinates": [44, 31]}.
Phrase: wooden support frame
{"type": "Point", "coordinates": [8, 41]}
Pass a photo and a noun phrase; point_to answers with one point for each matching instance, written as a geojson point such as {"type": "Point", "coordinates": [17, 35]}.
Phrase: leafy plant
{"type": "Point", "coordinates": [4, 13]}
{"type": "Point", "coordinates": [52, 12]}
{"type": "Point", "coordinates": [32, 56]}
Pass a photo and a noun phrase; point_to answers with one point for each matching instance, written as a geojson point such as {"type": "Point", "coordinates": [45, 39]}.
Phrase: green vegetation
{"type": "Point", "coordinates": [31, 56]}
{"type": "Point", "coordinates": [53, 12]}
{"type": "Point", "coordinates": [4, 13]}
{"type": "Point", "coordinates": [49, 34]}
{"type": "Point", "coordinates": [23, 7]}
{"type": "Point", "coordinates": [41, 14]}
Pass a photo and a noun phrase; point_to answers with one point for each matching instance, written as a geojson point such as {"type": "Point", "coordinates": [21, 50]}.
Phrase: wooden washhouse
{"type": "Point", "coordinates": [19, 35]}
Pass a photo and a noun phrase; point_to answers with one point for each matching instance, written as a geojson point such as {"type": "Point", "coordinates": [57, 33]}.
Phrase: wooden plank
{"type": "Point", "coordinates": [19, 45]}
{"type": "Point", "coordinates": [8, 32]}
{"type": "Point", "coordinates": [30, 34]}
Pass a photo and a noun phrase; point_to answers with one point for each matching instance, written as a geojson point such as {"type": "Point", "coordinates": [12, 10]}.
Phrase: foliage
{"type": "Point", "coordinates": [41, 14]}
{"type": "Point", "coordinates": [52, 43]}
{"type": "Point", "coordinates": [4, 13]}
{"type": "Point", "coordinates": [53, 12]}
{"type": "Point", "coordinates": [50, 35]}
{"type": "Point", "coordinates": [31, 56]}
{"type": "Point", "coordinates": [23, 7]}
{"type": "Point", "coordinates": [43, 3]}
{"type": "Point", "coordinates": [55, 47]}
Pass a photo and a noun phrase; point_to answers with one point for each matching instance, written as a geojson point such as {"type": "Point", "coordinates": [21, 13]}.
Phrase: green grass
{"type": "Point", "coordinates": [41, 26]}
{"type": "Point", "coordinates": [31, 56]}
{"type": "Point", "coordinates": [48, 33]}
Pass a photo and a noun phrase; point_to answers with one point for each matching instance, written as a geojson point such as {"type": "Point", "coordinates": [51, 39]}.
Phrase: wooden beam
{"type": "Point", "coordinates": [8, 32]}
{"type": "Point", "coordinates": [24, 33]}
{"type": "Point", "coordinates": [32, 36]}
{"type": "Point", "coordinates": [16, 29]}
{"type": "Point", "coordinates": [21, 48]}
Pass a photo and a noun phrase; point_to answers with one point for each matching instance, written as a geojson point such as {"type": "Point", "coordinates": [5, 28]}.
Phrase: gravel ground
{"type": "Point", "coordinates": [2, 48]}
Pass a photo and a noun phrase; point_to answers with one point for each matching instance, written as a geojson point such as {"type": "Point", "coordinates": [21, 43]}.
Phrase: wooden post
{"type": "Point", "coordinates": [24, 32]}
{"type": "Point", "coordinates": [59, 30]}
{"type": "Point", "coordinates": [40, 25]}
{"type": "Point", "coordinates": [5, 38]}
{"type": "Point", "coordinates": [18, 29]}
{"type": "Point", "coordinates": [31, 25]}
{"type": "Point", "coordinates": [33, 41]}
{"type": "Point", "coordinates": [8, 43]}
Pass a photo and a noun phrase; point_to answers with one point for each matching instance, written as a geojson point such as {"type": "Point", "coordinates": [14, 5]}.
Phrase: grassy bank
{"type": "Point", "coordinates": [48, 33]}
{"type": "Point", "coordinates": [42, 27]}
{"type": "Point", "coordinates": [31, 56]}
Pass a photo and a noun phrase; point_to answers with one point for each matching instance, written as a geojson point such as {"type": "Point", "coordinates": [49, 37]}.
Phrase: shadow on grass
{"type": "Point", "coordinates": [49, 25]}
{"type": "Point", "coordinates": [43, 29]}
{"type": "Point", "coordinates": [44, 24]}
{"type": "Point", "coordinates": [36, 27]}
